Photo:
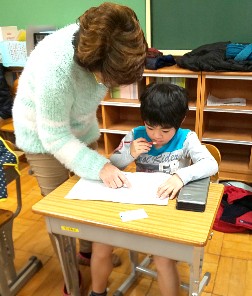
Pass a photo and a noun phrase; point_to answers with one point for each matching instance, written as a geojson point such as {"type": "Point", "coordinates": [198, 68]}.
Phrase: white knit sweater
{"type": "Point", "coordinates": [55, 108]}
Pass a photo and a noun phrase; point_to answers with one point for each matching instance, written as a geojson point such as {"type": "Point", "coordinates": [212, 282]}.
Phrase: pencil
{"type": "Point", "coordinates": [129, 142]}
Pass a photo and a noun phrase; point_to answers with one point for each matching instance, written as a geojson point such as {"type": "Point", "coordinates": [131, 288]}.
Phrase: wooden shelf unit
{"type": "Point", "coordinates": [118, 116]}
{"type": "Point", "coordinates": [228, 127]}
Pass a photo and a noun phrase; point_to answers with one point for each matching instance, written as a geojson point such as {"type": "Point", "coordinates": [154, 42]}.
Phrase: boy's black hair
{"type": "Point", "coordinates": [164, 104]}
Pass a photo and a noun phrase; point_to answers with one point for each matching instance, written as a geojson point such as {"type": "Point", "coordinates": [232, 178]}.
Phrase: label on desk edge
{"type": "Point", "coordinates": [68, 228]}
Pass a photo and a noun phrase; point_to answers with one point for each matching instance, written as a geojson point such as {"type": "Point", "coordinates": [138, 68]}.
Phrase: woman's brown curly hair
{"type": "Point", "coordinates": [111, 41]}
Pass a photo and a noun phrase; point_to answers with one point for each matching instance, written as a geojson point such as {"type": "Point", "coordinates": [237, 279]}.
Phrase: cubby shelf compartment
{"type": "Point", "coordinates": [228, 127]}
{"type": "Point", "coordinates": [235, 161]}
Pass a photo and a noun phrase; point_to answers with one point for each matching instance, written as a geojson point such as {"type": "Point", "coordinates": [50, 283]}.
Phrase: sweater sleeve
{"type": "Point", "coordinates": [203, 163]}
{"type": "Point", "coordinates": [56, 135]}
{"type": "Point", "coordinates": [121, 157]}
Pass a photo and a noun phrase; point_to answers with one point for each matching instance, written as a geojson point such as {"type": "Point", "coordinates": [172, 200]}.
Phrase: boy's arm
{"type": "Point", "coordinates": [121, 157]}
{"type": "Point", "coordinates": [203, 163]}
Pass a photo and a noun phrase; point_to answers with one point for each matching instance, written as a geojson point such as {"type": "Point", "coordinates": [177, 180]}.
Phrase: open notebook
{"type": "Point", "coordinates": [143, 190]}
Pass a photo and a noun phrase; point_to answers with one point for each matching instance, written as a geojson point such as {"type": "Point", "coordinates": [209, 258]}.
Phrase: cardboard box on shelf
{"type": "Point", "coordinates": [8, 33]}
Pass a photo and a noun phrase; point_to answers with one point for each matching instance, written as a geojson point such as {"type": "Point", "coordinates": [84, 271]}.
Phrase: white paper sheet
{"type": "Point", "coordinates": [143, 190]}
{"type": "Point", "coordinates": [213, 101]}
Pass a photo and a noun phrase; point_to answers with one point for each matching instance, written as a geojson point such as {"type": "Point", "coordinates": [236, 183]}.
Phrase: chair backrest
{"type": "Point", "coordinates": [216, 154]}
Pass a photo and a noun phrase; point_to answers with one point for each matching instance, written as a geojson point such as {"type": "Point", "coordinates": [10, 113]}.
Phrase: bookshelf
{"type": "Point", "coordinates": [228, 127]}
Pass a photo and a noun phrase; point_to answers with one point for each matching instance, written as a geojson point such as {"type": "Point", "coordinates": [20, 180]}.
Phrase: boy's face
{"type": "Point", "coordinates": [159, 134]}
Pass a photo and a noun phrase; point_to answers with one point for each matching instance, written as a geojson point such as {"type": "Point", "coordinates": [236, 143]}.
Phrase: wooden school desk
{"type": "Point", "coordinates": [180, 235]}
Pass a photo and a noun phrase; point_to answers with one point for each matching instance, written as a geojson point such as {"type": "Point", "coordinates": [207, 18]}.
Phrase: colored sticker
{"type": "Point", "coordinates": [67, 228]}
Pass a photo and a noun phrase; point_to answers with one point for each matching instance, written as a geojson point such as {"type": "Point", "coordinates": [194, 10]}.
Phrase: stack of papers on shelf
{"type": "Point", "coordinates": [143, 190]}
{"type": "Point", "coordinates": [213, 101]}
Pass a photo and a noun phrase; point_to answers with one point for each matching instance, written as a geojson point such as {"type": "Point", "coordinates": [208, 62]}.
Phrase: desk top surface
{"type": "Point", "coordinates": [163, 222]}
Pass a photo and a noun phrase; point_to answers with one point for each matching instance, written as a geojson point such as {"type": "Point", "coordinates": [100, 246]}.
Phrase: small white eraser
{"type": "Point", "coordinates": [133, 215]}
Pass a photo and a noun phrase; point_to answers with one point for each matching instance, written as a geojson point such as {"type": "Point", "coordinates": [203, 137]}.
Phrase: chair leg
{"type": "Point", "coordinates": [7, 251]}
{"type": "Point", "coordinates": [11, 281]}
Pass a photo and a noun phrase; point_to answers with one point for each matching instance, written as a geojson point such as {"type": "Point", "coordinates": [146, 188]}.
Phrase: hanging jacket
{"type": "Point", "coordinates": [212, 58]}
{"type": "Point", "coordinates": [6, 100]}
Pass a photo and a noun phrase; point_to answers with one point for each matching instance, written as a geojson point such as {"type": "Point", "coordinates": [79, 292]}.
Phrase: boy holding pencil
{"type": "Point", "coordinates": [161, 145]}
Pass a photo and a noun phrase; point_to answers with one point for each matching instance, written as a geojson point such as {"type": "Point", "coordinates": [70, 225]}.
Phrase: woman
{"type": "Point", "coordinates": [64, 80]}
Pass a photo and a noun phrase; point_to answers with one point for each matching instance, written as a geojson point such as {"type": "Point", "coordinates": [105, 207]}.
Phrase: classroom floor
{"type": "Point", "coordinates": [227, 256]}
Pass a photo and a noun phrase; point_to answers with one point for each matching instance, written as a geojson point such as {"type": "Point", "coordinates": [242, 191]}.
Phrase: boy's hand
{"type": "Point", "coordinates": [139, 146]}
{"type": "Point", "coordinates": [170, 188]}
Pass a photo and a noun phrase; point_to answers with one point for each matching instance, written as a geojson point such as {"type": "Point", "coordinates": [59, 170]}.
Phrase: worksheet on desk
{"type": "Point", "coordinates": [143, 189]}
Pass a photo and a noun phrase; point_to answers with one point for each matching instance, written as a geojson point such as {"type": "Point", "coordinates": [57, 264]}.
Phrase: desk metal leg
{"type": "Point", "coordinates": [135, 270]}
{"type": "Point", "coordinates": [66, 247]}
{"type": "Point", "coordinates": [196, 286]}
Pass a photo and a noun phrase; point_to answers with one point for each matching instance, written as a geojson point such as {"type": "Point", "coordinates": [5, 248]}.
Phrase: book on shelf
{"type": "Point", "coordinates": [131, 91]}
{"type": "Point", "coordinates": [180, 81]}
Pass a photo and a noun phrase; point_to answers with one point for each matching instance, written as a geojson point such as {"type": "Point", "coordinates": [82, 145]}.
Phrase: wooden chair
{"type": "Point", "coordinates": [7, 129]}
{"type": "Point", "coordinates": [20, 154]}
{"type": "Point", "coordinates": [216, 154]}
{"type": "Point", "coordinates": [138, 268]}
{"type": "Point", "coordinates": [12, 281]}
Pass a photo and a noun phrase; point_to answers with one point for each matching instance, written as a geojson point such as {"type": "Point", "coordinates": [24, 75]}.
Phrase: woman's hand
{"type": "Point", "coordinates": [112, 177]}
{"type": "Point", "coordinates": [170, 188]}
{"type": "Point", "coordinates": [139, 146]}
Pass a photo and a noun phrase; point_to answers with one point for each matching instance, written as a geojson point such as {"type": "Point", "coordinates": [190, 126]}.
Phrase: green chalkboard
{"type": "Point", "coordinates": [58, 13]}
{"type": "Point", "coordinates": [187, 24]}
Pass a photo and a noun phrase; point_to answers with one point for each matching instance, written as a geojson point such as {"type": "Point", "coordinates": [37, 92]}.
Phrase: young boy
{"type": "Point", "coordinates": [161, 145]}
